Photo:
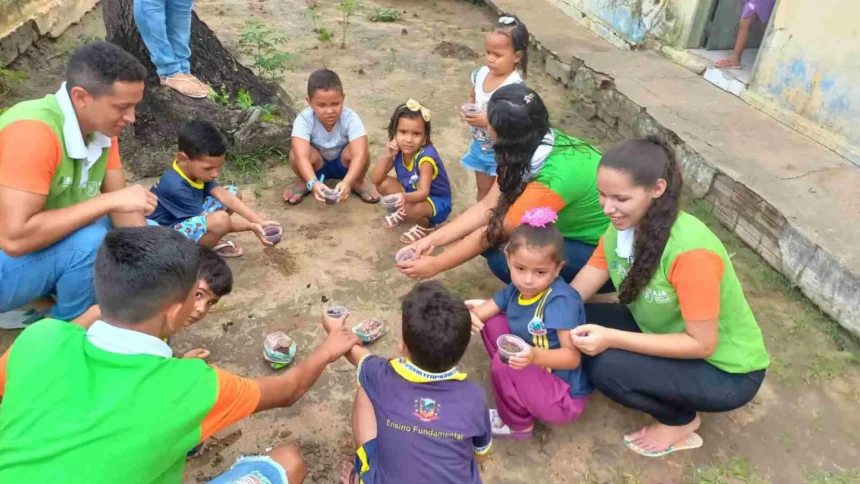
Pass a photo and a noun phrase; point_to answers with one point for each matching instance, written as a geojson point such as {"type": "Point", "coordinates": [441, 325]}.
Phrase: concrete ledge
{"type": "Point", "coordinates": [25, 21]}
{"type": "Point", "coordinates": [791, 200]}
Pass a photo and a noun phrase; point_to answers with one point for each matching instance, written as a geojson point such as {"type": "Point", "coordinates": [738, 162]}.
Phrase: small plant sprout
{"type": "Point", "coordinates": [313, 14]}
{"type": "Point", "coordinates": [384, 15]}
{"type": "Point", "coordinates": [347, 7]}
{"type": "Point", "coordinates": [261, 43]}
{"type": "Point", "coordinates": [221, 96]}
{"type": "Point", "coordinates": [325, 35]}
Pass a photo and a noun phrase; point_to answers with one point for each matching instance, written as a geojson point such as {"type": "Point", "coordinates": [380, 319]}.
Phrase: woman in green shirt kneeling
{"type": "Point", "coordinates": [684, 339]}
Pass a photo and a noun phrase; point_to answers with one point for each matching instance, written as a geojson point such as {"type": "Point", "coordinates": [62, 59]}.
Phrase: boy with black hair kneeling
{"type": "Point", "coordinates": [109, 403]}
{"type": "Point", "coordinates": [416, 418]}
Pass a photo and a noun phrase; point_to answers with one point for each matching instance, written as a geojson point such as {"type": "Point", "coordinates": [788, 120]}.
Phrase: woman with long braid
{"type": "Point", "coordinates": [537, 167]}
{"type": "Point", "coordinates": [683, 340]}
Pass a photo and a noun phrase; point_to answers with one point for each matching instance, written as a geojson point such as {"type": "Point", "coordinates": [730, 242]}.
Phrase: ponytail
{"type": "Point", "coordinates": [647, 161]}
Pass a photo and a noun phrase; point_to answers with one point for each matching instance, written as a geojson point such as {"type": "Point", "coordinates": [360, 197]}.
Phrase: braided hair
{"type": "Point", "coordinates": [646, 161]}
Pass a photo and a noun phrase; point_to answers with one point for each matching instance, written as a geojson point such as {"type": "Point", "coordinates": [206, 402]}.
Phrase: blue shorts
{"type": "Point", "coordinates": [246, 469]}
{"type": "Point", "coordinates": [441, 209]}
{"type": "Point", "coordinates": [479, 159]}
{"type": "Point", "coordinates": [332, 169]}
{"type": "Point", "coordinates": [195, 227]}
{"type": "Point", "coordinates": [365, 462]}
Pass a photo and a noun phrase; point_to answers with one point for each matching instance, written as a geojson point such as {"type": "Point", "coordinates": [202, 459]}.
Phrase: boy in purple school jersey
{"type": "Point", "coordinates": [416, 418]}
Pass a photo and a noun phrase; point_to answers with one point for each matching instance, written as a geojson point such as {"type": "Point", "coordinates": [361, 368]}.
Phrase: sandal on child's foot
{"type": "Point", "coordinates": [503, 432]}
{"type": "Point", "coordinates": [415, 234]}
{"type": "Point", "coordinates": [228, 249]}
{"type": "Point", "coordinates": [394, 219]}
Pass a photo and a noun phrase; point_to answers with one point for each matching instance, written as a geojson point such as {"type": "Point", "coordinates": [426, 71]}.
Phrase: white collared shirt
{"type": "Point", "coordinates": [76, 147]}
{"type": "Point", "coordinates": [125, 341]}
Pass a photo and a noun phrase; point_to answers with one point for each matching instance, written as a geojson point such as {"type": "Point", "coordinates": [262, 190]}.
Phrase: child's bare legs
{"type": "Point", "coordinates": [218, 225]}
{"type": "Point", "coordinates": [290, 458]}
{"type": "Point", "coordinates": [740, 43]}
{"type": "Point", "coordinates": [360, 185]}
{"type": "Point", "coordinates": [485, 182]}
{"type": "Point", "coordinates": [363, 429]}
{"type": "Point", "coordinates": [419, 213]}
{"type": "Point", "coordinates": [389, 186]}
{"type": "Point", "coordinates": [294, 193]}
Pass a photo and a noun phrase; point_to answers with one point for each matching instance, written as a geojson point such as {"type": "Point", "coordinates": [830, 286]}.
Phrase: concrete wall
{"type": "Point", "coordinates": [23, 21]}
{"type": "Point", "coordinates": [632, 21]}
{"type": "Point", "coordinates": [809, 66]}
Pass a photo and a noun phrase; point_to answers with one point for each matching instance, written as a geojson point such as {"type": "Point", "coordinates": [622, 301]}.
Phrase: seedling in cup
{"type": "Point", "coordinates": [273, 233]}
{"type": "Point", "coordinates": [511, 345]}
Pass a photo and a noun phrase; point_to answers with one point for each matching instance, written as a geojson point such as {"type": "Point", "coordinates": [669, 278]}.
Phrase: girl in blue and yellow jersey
{"type": "Point", "coordinates": [421, 183]}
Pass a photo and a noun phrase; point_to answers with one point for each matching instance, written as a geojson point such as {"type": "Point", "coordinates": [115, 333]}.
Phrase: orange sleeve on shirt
{"type": "Point", "coordinates": [237, 398]}
{"type": "Point", "coordinates": [598, 258]}
{"type": "Point", "coordinates": [113, 162]}
{"type": "Point", "coordinates": [696, 276]}
{"type": "Point", "coordinates": [29, 156]}
{"type": "Point", "coordinates": [535, 195]}
{"type": "Point", "coordinates": [3, 361]}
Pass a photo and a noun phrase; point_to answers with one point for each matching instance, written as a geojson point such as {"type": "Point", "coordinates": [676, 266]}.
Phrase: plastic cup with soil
{"type": "Point", "coordinates": [406, 254]}
{"type": "Point", "coordinates": [370, 330]}
{"type": "Point", "coordinates": [279, 349]}
{"type": "Point", "coordinates": [511, 345]}
{"type": "Point", "coordinates": [470, 108]}
{"type": "Point", "coordinates": [273, 233]}
{"type": "Point", "coordinates": [390, 202]}
{"type": "Point", "coordinates": [337, 311]}
{"type": "Point", "coordinates": [331, 196]}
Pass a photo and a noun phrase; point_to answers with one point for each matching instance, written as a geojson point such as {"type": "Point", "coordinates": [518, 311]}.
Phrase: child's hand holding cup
{"type": "Point", "coordinates": [334, 317]}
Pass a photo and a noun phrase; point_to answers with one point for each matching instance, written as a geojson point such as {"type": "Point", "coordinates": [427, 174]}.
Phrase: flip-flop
{"type": "Point", "coordinates": [503, 432]}
{"type": "Point", "coordinates": [19, 319]}
{"type": "Point", "coordinates": [296, 189]}
{"type": "Point", "coordinates": [691, 441]}
{"type": "Point", "coordinates": [737, 66]}
{"type": "Point", "coordinates": [367, 192]}
{"type": "Point", "coordinates": [228, 255]}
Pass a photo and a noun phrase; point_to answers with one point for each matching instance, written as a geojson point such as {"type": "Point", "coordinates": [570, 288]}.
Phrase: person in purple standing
{"type": "Point", "coordinates": [752, 10]}
{"type": "Point", "coordinates": [544, 380]}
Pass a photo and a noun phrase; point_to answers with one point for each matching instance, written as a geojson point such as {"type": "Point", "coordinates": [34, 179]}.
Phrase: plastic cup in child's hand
{"type": "Point", "coordinates": [470, 109]}
{"type": "Point", "coordinates": [273, 233]}
{"type": "Point", "coordinates": [510, 346]}
{"type": "Point", "coordinates": [406, 254]}
{"type": "Point", "coordinates": [390, 202]}
{"type": "Point", "coordinates": [331, 196]}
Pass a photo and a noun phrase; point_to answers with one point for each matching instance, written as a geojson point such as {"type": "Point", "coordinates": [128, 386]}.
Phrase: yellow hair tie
{"type": "Point", "coordinates": [415, 106]}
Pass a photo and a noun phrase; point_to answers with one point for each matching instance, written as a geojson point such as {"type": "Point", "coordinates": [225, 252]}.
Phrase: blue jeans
{"type": "Point", "coordinates": [165, 26]}
{"type": "Point", "coordinates": [576, 254]}
{"type": "Point", "coordinates": [64, 269]}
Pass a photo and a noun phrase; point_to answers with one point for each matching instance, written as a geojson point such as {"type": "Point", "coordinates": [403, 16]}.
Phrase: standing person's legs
{"type": "Point", "coordinates": [64, 269]}
{"type": "Point", "coordinates": [151, 19]}
{"type": "Point", "coordinates": [178, 29]}
{"type": "Point", "coordinates": [484, 183]}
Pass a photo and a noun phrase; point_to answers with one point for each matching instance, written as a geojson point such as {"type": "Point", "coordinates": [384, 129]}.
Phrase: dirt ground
{"type": "Point", "coordinates": [802, 427]}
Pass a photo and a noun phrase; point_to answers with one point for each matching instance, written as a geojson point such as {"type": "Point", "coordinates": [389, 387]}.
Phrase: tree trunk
{"type": "Point", "coordinates": [146, 146]}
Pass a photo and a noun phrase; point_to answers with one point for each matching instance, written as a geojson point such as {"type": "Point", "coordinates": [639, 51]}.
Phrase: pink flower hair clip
{"type": "Point", "coordinates": [539, 217]}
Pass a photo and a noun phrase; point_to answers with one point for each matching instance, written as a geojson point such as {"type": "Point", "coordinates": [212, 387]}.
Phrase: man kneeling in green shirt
{"type": "Point", "coordinates": [109, 403]}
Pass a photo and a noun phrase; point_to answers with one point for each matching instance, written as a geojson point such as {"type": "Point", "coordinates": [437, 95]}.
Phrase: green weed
{"type": "Point", "coordinates": [10, 78]}
{"type": "Point", "coordinates": [220, 97]}
{"type": "Point", "coordinates": [840, 476]}
{"type": "Point", "coordinates": [828, 366]}
{"type": "Point", "coordinates": [737, 470]}
{"type": "Point", "coordinates": [313, 14]}
{"type": "Point", "coordinates": [325, 35]}
{"type": "Point", "coordinates": [261, 44]}
{"type": "Point", "coordinates": [384, 15]}
{"type": "Point", "coordinates": [347, 8]}
{"type": "Point", "coordinates": [246, 168]}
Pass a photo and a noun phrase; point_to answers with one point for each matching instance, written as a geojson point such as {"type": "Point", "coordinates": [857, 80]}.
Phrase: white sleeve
{"type": "Point", "coordinates": [302, 126]}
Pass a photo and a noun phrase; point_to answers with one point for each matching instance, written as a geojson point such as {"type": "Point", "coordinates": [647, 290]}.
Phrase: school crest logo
{"type": "Point", "coordinates": [93, 188]}
{"type": "Point", "coordinates": [426, 409]}
{"type": "Point", "coordinates": [413, 179]}
{"type": "Point", "coordinates": [536, 327]}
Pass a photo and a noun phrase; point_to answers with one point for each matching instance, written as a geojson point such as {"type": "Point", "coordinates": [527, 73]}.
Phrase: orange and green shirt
{"type": "Point", "coordinates": [695, 281]}
{"type": "Point", "coordinates": [42, 151]}
{"type": "Point", "coordinates": [108, 405]}
{"type": "Point", "coordinates": [566, 183]}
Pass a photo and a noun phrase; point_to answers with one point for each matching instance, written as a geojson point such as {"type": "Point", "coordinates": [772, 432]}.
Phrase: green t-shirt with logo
{"type": "Point", "coordinates": [740, 346]}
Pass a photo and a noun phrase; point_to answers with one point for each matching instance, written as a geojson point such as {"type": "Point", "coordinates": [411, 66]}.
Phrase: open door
{"type": "Point", "coordinates": [721, 30]}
